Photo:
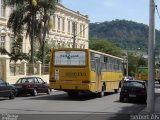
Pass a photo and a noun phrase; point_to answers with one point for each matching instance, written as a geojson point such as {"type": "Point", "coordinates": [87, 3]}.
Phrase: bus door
{"type": "Point", "coordinates": [98, 73]}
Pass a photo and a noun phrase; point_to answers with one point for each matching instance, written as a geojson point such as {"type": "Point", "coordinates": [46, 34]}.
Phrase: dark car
{"type": "Point", "coordinates": [7, 90]}
{"type": "Point", "coordinates": [133, 90]}
{"type": "Point", "coordinates": [32, 86]}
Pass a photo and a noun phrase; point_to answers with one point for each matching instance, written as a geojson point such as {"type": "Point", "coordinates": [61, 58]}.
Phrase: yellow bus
{"type": "Point", "coordinates": [142, 73]}
{"type": "Point", "coordinates": [76, 70]}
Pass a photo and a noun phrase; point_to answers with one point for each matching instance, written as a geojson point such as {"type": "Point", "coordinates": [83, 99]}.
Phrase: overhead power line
{"type": "Point", "coordinates": [156, 6]}
{"type": "Point", "coordinates": [157, 11]}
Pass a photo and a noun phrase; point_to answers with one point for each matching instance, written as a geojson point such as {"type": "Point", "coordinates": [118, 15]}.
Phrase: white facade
{"type": "Point", "coordinates": [61, 34]}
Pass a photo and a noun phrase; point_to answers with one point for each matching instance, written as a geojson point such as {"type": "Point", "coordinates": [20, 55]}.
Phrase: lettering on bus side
{"type": "Point", "coordinates": [75, 74]}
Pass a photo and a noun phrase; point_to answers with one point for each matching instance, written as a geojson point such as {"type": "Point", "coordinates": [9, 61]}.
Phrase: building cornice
{"type": "Point", "coordinates": [61, 8]}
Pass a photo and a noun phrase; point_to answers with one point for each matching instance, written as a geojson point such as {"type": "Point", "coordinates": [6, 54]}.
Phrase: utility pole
{"type": "Point", "coordinates": [127, 63]}
{"type": "Point", "coordinates": [151, 59]}
{"type": "Point", "coordinates": [74, 34]}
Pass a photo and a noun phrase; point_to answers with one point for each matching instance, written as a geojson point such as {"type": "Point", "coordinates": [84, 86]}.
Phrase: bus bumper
{"type": "Point", "coordinates": [65, 87]}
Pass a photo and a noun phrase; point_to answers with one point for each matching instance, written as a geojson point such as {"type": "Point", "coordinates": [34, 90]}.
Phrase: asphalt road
{"type": "Point", "coordinates": [83, 107]}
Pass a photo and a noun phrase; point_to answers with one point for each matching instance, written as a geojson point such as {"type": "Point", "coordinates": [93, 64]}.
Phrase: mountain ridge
{"type": "Point", "coordinates": [125, 34]}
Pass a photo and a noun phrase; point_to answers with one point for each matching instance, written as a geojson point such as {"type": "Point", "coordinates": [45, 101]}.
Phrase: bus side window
{"type": "Point", "coordinates": [104, 63]}
{"type": "Point", "coordinates": [111, 64]}
{"type": "Point", "coordinates": [93, 67]}
{"type": "Point", "coordinates": [120, 68]}
{"type": "Point", "coordinates": [116, 65]}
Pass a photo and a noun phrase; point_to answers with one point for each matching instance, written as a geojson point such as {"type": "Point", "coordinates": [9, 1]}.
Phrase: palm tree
{"type": "Point", "coordinates": [32, 15]}
{"type": "Point", "coordinates": [22, 16]}
{"type": "Point", "coordinates": [46, 10]}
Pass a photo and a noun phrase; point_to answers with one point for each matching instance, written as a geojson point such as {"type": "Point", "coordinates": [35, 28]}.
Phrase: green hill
{"type": "Point", "coordinates": [126, 34]}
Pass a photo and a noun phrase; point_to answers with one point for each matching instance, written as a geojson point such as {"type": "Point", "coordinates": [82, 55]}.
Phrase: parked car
{"type": "Point", "coordinates": [7, 90]}
{"type": "Point", "coordinates": [32, 85]}
{"type": "Point", "coordinates": [133, 90]}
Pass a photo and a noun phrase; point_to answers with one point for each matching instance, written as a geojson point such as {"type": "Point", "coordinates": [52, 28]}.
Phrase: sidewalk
{"type": "Point", "coordinates": [157, 105]}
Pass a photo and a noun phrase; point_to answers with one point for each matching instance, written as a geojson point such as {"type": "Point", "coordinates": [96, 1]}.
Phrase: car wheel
{"type": "Point", "coordinates": [121, 99]}
{"type": "Point", "coordinates": [18, 95]}
{"type": "Point", "coordinates": [48, 91]}
{"type": "Point", "coordinates": [35, 92]}
{"type": "Point", "coordinates": [12, 94]}
{"type": "Point", "coordinates": [116, 90]}
{"type": "Point", "coordinates": [120, 84]}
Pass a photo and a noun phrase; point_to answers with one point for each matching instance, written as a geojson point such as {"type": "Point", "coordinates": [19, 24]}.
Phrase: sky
{"type": "Point", "coordinates": [108, 10]}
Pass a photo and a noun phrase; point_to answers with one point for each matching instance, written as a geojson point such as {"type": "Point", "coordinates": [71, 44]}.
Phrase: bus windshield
{"type": "Point", "coordinates": [70, 58]}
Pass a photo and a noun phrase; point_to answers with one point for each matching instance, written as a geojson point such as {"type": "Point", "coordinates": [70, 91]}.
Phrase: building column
{"type": "Point", "coordinates": [5, 60]}
{"type": "Point", "coordinates": [24, 67]}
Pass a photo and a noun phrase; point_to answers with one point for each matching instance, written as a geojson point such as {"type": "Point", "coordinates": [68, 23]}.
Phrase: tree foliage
{"type": "Point", "coordinates": [32, 16]}
{"type": "Point", "coordinates": [105, 47]}
{"type": "Point", "coordinates": [135, 61]}
{"type": "Point", "coordinates": [16, 51]}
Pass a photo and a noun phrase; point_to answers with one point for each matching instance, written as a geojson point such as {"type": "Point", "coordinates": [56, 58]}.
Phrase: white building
{"type": "Point", "coordinates": [61, 34]}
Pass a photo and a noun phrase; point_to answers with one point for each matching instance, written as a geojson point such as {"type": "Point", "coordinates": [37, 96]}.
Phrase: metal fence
{"type": "Point", "coordinates": [27, 69]}
{"type": "Point", "coordinates": [16, 69]}
{"type": "Point", "coordinates": [45, 69]}
{"type": "Point", "coordinates": [32, 69]}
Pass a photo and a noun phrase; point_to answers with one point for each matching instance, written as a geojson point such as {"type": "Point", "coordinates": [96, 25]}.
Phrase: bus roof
{"type": "Point", "coordinates": [105, 54]}
{"type": "Point", "coordinates": [88, 50]}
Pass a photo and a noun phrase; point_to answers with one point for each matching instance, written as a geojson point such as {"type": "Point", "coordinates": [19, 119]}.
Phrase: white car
{"type": "Point", "coordinates": [126, 78]}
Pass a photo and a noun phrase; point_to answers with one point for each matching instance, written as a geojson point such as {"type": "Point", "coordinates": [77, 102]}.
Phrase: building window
{"type": "Point", "coordinates": [2, 42]}
{"type": "Point", "coordinates": [73, 27]}
{"type": "Point", "coordinates": [83, 29]}
{"type": "Point", "coordinates": [69, 26]}
{"type": "Point", "coordinates": [58, 45]}
{"type": "Point", "coordinates": [11, 43]}
{"type": "Point", "coordinates": [76, 28]}
{"type": "Point", "coordinates": [80, 30]}
{"type": "Point", "coordinates": [2, 12]}
{"type": "Point", "coordinates": [54, 22]}
{"type": "Point", "coordinates": [63, 24]}
{"type": "Point", "coordinates": [59, 24]}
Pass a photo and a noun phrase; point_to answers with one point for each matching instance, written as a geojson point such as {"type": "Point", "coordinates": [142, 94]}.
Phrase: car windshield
{"type": "Point", "coordinates": [133, 84]}
{"type": "Point", "coordinates": [25, 80]}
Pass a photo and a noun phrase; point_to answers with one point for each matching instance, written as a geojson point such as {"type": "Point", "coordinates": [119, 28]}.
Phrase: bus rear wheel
{"type": "Point", "coordinates": [101, 94]}
{"type": "Point", "coordinates": [72, 94]}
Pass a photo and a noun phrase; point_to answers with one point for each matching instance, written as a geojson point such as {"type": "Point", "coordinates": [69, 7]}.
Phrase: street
{"type": "Point", "coordinates": [59, 103]}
